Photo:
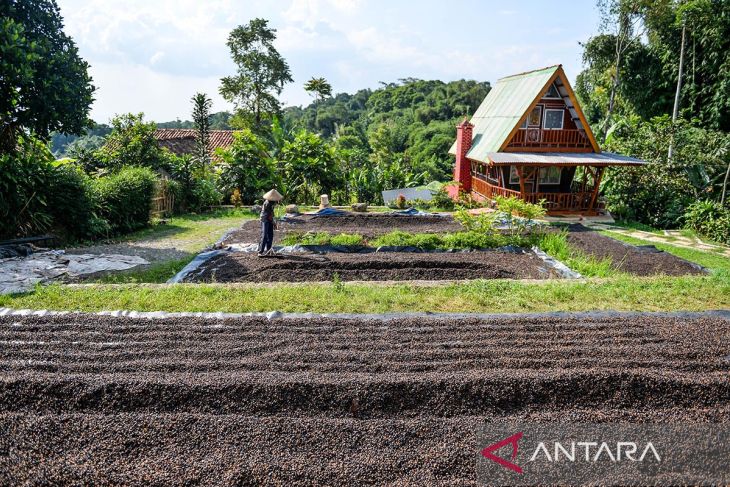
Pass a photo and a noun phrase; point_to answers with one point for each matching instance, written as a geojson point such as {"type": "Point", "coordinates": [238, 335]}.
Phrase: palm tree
{"type": "Point", "coordinates": [319, 88]}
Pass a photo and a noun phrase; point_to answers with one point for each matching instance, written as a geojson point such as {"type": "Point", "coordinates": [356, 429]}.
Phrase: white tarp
{"type": "Point", "coordinates": [424, 194]}
{"type": "Point", "coordinates": [20, 274]}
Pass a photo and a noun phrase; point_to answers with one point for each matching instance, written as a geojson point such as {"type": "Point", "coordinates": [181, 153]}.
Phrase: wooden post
{"type": "Point", "coordinates": [597, 180]}
{"type": "Point", "coordinates": [521, 174]}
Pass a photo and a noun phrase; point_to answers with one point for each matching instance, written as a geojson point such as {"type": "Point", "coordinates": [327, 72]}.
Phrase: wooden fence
{"type": "Point", "coordinates": [163, 201]}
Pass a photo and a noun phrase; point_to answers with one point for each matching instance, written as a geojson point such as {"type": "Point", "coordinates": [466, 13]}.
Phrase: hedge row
{"type": "Point", "coordinates": [38, 196]}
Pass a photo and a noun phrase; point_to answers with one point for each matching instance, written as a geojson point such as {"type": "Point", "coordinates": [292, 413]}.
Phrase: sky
{"type": "Point", "coordinates": [152, 56]}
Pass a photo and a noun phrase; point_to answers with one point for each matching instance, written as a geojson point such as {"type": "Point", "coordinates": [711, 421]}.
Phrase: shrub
{"type": "Point", "coordinates": [125, 198]}
{"type": "Point", "coordinates": [709, 219]}
{"type": "Point", "coordinates": [204, 194]}
{"type": "Point", "coordinates": [442, 200]}
{"type": "Point", "coordinates": [236, 198]}
{"type": "Point", "coordinates": [24, 187]}
{"type": "Point", "coordinates": [72, 204]}
{"type": "Point", "coordinates": [517, 207]}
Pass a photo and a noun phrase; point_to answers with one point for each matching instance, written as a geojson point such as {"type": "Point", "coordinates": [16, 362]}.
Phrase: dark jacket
{"type": "Point", "coordinates": [267, 211]}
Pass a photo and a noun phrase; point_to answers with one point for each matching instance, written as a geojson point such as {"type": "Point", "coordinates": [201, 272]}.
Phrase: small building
{"type": "Point", "coordinates": [530, 139]}
{"type": "Point", "coordinates": [182, 141]}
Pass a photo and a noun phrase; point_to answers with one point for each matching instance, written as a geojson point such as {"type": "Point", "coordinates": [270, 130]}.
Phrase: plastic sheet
{"type": "Point", "coordinates": [329, 212]}
{"type": "Point", "coordinates": [21, 274]}
{"type": "Point", "coordinates": [278, 315]}
{"type": "Point", "coordinates": [194, 264]}
{"type": "Point", "coordinates": [559, 267]}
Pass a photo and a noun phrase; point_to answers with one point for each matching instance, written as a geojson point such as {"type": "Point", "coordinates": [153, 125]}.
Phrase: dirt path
{"type": "Point", "coordinates": [671, 237]}
{"type": "Point", "coordinates": [180, 238]}
{"type": "Point", "coordinates": [97, 400]}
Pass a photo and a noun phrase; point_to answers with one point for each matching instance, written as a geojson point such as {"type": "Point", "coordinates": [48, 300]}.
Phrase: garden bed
{"type": "Point", "coordinates": [637, 260]}
{"type": "Point", "coordinates": [374, 266]}
{"type": "Point", "coordinates": [86, 399]}
{"type": "Point", "coordinates": [366, 224]}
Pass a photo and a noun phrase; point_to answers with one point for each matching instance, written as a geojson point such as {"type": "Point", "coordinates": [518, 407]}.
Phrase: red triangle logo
{"type": "Point", "coordinates": [512, 440]}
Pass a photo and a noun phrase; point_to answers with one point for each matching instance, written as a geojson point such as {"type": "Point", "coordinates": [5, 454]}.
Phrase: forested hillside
{"type": "Point", "coordinates": [412, 120]}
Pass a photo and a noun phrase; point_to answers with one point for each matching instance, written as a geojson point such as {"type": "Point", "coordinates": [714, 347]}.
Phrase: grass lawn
{"type": "Point", "coordinates": [188, 233]}
{"type": "Point", "coordinates": [622, 293]}
{"type": "Point", "coordinates": [710, 260]}
{"type": "Point", "coordinates": [191, 233]}
{"type": "Point", "coordinates": [611, 291]}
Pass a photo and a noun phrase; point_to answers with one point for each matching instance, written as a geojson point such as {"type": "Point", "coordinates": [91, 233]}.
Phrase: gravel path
{"type": "Point", "coordinates": [88, 399]}
{"type": "Point", "coordinates": [380, 266]}
{"type": "Point", "coordinates": [641, 261]}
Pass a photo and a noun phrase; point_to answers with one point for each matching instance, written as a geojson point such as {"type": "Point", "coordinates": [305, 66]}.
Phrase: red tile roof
{"type": "Point", "coordinates": [182, 141]}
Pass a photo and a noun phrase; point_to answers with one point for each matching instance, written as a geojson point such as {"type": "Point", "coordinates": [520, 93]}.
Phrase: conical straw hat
{"type": "Point", "coordinates": [273, 195]}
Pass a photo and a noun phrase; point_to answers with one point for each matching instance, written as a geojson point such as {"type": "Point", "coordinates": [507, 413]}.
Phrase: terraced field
{"type": "Point", "coordinates": [90, 399]}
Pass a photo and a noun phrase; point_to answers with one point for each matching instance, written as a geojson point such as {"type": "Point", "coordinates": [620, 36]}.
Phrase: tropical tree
{"type": "Point", "coordinates": [261, 73]}
{"type": "Point", "coordinates": [201, 120]}
{"type": "Point", "coordinates": [132, 143]}
{"type": "Point", "coordinates": [308, 167]}
{"type": "Point", "coordinates": [624, 16]}
{"type": "Point", "coordinates": [44, 84]}
{"type": "Point", "coordinates": [319, 88]}
{"type": "Point", "coordinates": [247, 167]}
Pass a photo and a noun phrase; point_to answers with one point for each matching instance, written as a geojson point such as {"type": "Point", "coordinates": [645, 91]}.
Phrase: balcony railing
{"type": "Point", "coordinates": [556, 139]}
{"type": "Point", "coordinates": [554, 202]}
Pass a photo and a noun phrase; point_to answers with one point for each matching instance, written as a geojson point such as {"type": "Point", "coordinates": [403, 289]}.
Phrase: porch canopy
{"type": "Point", "coordinates": [601, 159]}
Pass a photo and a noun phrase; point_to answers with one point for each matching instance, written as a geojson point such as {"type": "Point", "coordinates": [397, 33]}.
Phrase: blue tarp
{"type": "Point", "coordinates": [330, 212]}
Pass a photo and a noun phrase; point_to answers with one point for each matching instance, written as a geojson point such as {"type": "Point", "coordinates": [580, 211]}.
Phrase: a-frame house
{"type": "Point", "coordinates": [530, 139]}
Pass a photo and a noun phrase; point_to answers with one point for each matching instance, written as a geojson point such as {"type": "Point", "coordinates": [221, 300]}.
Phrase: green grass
{"type": "Point", "coordinates": [706, 259]}
{"type": "Point", "coordinates": [556, 245]}
{"type": "Point", "coordinates": [322, 238]}
{"type": "Point", "coordinates": [693, 293]}
{"type": "Point", "coordinates": [156, 273]}
{"type": "Point", "coordinates": [632, 225]}
{"type": "Point", "coordinates": [191, 233]}
{"type": "Point", "coordinates": [187, 233]}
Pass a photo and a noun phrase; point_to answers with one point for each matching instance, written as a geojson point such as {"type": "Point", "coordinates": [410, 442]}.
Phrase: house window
{"type": "Point", "coordinates": [478, 170]}
{"type": "Point", "coordinates": [553, 93]}
{"type": "Point", "coordinates": [514, 178]}
{"type": "Point", "coordinates": [554, 119]}
{"type": "Point", "coordinates": [492, 174]}
{"type": "Point", "coordinates": [549, 175]}
{"type": "Point", "coordinates": [533, 118]}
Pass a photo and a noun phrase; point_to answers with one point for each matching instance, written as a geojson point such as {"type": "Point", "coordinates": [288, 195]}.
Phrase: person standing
{"type": "Point", "coordinates": [267, 221]}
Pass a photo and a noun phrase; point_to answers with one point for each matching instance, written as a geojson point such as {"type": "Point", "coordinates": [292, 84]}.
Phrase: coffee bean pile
{"type": "Point", "coordinates": [86, 399]}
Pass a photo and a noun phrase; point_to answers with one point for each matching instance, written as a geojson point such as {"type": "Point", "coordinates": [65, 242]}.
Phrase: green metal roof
{"type": "Point", "coordinates": [503, 108]}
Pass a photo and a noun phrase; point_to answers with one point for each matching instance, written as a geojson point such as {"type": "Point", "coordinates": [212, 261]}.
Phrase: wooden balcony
{"type": "Point", "coordinates": [574, 202]}
{"type": "Point", "coordinates": [536, 138]}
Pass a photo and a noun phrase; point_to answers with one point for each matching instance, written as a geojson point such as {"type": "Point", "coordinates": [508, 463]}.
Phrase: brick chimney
{"type": "Point", "coordinates": [462, 168]}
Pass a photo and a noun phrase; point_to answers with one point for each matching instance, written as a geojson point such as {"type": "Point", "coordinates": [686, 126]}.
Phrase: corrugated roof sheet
{"type": "Point", "coordinates": [563, 158]}
{"type": "Point", "coordinates": [503, 108]}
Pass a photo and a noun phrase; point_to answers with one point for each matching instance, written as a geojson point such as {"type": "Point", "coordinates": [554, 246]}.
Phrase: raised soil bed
{"type": "Point", "coordinates": [637, 260]}
{"type": "Point", "coordinates": [375, 266]}
{"type": "Point", "coordinates": [368, 224]}
{"type": "Point", "coordinates": [100, 400]}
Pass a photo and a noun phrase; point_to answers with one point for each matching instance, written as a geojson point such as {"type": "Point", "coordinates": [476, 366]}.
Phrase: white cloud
{"type": "Point", "coordinates": [156, 57]}
{"type": "Point", "coordinates": [161, 96]}
{"type": "Point", "coordinates": [162, 51]}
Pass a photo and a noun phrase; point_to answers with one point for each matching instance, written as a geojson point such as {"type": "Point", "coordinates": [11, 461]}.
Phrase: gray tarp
{"type": "Point", "coordinates": [20, 274]}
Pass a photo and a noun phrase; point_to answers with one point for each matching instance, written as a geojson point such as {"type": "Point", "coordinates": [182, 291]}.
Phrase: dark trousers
{"type": "Point", "coordinates": [267, 236]}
